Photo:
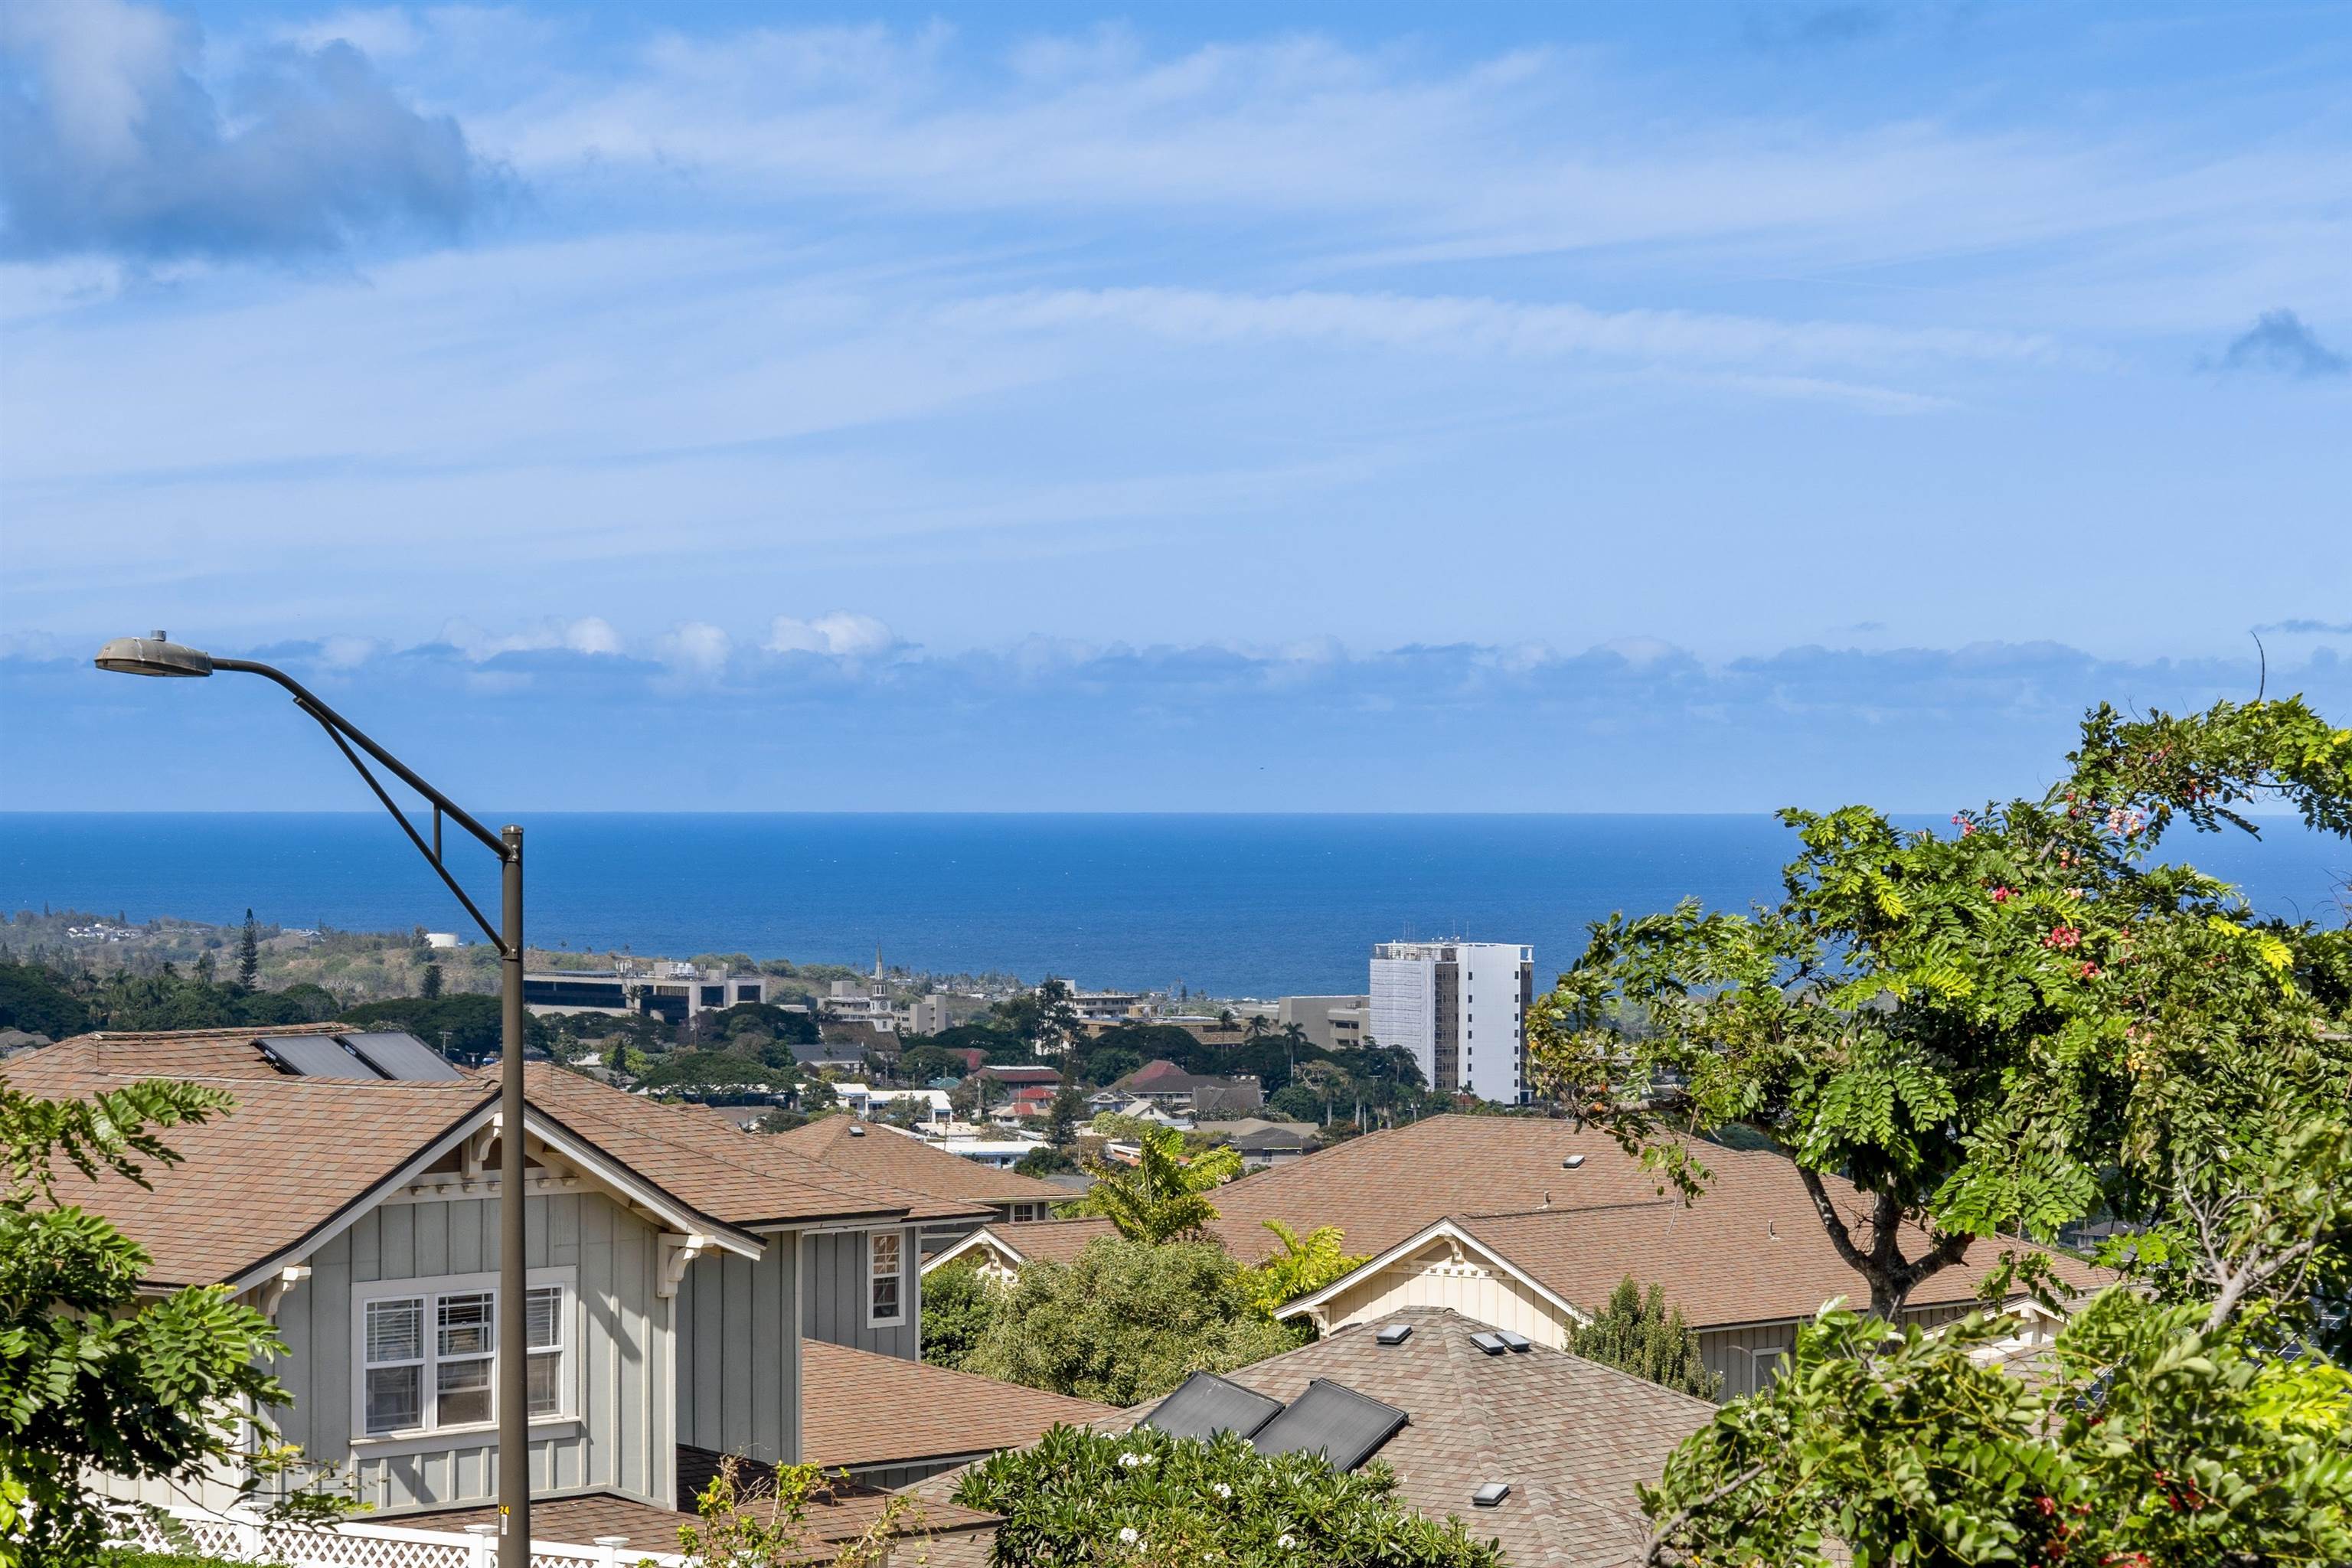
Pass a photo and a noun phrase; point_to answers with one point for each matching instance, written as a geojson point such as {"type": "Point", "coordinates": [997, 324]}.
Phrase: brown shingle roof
{"type": "Point", "coordinates": [1750, 1251]}
{"type": "Point", "coordinates": [296, 1152]}
{"type": "Point", "coordinates": [1386, 1187]}
{"type": "Point", "coordinates": [291, 1156]}
{"type": "Point", "coordinates": [1571, 1436]}
{"type": "Point", "coordinates": [743, 1181]}
{"type": "Point", "coordinates": [905, 1161]}
{"type": "Point", "coordinates": [859, 1409]}
{"type": "Point", "coordinates": [840, 1514]}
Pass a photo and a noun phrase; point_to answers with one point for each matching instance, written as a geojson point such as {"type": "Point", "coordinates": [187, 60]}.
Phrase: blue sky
{"type": "Point", "coordinates": [1203, 406]}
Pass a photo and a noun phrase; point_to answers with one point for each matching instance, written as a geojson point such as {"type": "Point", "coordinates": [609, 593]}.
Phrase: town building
{"type": "Point", "coordinates": [1333, 1022]}
{"type": "Point", "coordinates": [672, 992]}
{"type": "Point", "coordinates": [909, 1164]}
{"type": "Point", "coordinates": [1460, 1008]}
{"type": "Point", "coordinates": [1187, 1094]}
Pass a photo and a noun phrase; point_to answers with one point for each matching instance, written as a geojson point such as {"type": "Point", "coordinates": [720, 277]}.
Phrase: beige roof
{"type": "Point", "coordinates": [296, 1154]}
{"type": "Point", "coordinates": [907, 1163]}
{"type": "Point", "coordinates": [840, 1513]}
{"type": "Point", "coordinates": [1751, 1249]}
{"type": "Point", "coordinates": [1571, 1436]}
{"type": "Point", "coordinates": [291, 1157]}
{"type": "Point", "coordinates": [859, 1409]}
{"type": "Point", "coordinates": [744, 1181]}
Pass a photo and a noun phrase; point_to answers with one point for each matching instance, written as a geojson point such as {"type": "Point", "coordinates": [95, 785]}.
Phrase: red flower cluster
{"type": "Point", "coordinates": [2063, 937]}
{"type": "Point", "coordinates": [2002, 895]}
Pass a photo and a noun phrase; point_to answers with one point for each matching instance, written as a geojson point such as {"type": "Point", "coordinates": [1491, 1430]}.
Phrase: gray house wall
{"type": "Point", "coordinates": [835, 1310]}
{"type": "Point", "coordinates": [621, 1361]}
{"type": "Point", "coordinates": [1748, 1359]}
{"type": "Point", "coordinates": [738, 1363]}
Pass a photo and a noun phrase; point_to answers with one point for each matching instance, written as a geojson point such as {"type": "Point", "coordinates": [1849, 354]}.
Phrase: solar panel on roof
{"type": "Point", "coordinates": [1333, 1420]}
{"type": "Point", "coordinates": [1491, 1343]}
{"type": "Point", "coordinates": [397, 1054]}
{"type": "Point", "coordinates": [1205, 1404]}
{"type": "Point", "coordinates": [316, 1056]}
{"type": "Point", "coordinates": [1394, 1333]}
{"type": "Point", "coordinates": [1491, 1494]}
{"type": "Point", "coordinates": [1516, 1342]}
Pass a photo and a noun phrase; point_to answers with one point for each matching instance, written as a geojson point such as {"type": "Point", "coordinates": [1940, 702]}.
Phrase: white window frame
{"type": "Point", "coordinates": [897, 1240]}
{"type": "Point", "coordinates": [430, 1290]}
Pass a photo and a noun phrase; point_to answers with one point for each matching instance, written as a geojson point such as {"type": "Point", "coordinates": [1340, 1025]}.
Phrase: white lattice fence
{"type": "Point", "coordinates": [237, 1538]}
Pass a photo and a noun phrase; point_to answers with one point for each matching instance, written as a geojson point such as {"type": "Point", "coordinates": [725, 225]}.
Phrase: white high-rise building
{"type": "Point", "coordinates": [1461, 1008]}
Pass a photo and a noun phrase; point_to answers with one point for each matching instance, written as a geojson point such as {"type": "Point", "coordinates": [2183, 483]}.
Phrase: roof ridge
{"type": "Point", "coordinates": [1661, 1201]}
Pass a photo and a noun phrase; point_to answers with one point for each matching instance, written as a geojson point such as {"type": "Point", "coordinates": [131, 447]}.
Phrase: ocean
{"type": "Point", "coordinates": [1229, 905]}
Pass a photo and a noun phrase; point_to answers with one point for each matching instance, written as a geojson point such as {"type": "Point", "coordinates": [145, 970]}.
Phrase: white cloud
{"type": "Point", "coordinates": [837, 635]}
{"type": "Point", "coordinates": [697, 647]}
{"type": "Point", "coordinates": [588, 635]}
{"type": "Point", "coordinates": [1457, 324]}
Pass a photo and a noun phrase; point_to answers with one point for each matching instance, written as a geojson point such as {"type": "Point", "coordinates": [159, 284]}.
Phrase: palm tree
{"type": "Point", "coordinates": [1160, 1197]}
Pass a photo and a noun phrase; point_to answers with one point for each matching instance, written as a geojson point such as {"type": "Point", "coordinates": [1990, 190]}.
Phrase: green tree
{"type": "Point", "coordinates": [39, 1001]}
{"type": "Point", "coordinates": [1640, 1334]}
{"type": "Point", "coordinates": [1305, 1265]}
{"type": "Point", "coordinates": [959, 1304]}
{"type": "Point", "coordinates": [2006, 1029]}
{"type": "Point", "coordinates": [1164, 1195]}
{"type": "Point", "coordinates": [249, 955]}
{"type": "Point", "coordinates": [98, 1378]}
{"type": "Point", "coordinates": [1062, 1116]}
{"type": "Point", "coordinates": [2180, 1421]}
{"type": "Point", "coordinates": [1124, 1321]}
{"type": "Point", "coordinates": [429, 985]}
{"type": "Point", "coordinates": [1149, 1500]}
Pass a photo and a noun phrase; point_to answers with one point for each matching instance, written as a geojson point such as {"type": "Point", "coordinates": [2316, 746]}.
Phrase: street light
{"type": "Point", "coordinates": [159, 655]}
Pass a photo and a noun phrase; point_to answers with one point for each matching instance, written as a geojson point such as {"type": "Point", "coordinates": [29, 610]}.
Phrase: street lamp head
{"type": "Point", "coordinates": [153, 655]}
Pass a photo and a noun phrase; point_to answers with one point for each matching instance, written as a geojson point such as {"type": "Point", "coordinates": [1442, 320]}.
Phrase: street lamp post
{"type": "Point", "coordinates": [159, 655]}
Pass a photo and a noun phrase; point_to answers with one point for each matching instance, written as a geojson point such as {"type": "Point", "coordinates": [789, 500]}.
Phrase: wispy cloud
{"type": "Point", "coordinates": [1055, 724]}
{"type": "Point", "coordinates": [1459, 325]}
{"type": "Point", "coordinates": [2281, 343]}
{"type": "Point", "coordinates": [112, 143]}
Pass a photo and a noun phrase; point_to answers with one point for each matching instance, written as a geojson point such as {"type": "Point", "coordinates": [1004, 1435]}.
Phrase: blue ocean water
{"type": "Point", "coordinates": [1231, 905]}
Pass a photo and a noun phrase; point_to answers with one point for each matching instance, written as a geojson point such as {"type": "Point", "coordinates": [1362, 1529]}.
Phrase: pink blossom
{"type": "Point", "coordinates": [2063, 937]}
{"type": "Point", "coordinates": [2002, 895]}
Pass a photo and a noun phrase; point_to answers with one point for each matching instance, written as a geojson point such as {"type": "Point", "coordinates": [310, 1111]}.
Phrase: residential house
{"type": "Point", "coordinates": [677, 1267]}
{"type": "Point", "coordinates": [1180, 1092]}
{"type": "Point", "coordinates": [1262, 1142]}
{"type": "Point", "coordinates": [1530, 1224]}
{"type": "Point", "coordinates": [1528, 1445]}
{"type": "Point", "coordinates": [909, 1163]}
{"type": "Point", "coordinates": [1011, 1076]}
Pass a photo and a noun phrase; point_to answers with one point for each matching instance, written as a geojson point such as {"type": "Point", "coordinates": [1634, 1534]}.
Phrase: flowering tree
{"type": "Point", "coordinates": [2009, 1027]}
{"type": "Point", "coordinates": [1149, 1500]}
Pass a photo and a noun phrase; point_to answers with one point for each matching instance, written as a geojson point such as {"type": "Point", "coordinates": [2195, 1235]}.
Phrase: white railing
{"type": "Point", "coordinates": [248, 1537]}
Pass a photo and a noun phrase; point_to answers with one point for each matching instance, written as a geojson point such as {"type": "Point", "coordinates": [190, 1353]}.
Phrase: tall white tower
{"type": "Point", "coordinates": [1461, 1008]}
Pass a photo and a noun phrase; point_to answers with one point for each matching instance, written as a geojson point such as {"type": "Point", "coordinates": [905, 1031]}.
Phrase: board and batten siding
{"type": "Point", "coordinates": [738, 1365]}
{"type": "Point", "coordinates": [1433, 1278]}
{"type": "Point", "coordinates": [834, 1266]}
{"type": "Point", "coordinates": [620, 1434]}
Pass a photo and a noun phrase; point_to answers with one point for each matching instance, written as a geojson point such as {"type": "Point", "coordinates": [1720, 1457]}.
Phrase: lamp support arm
{"type": "Point", "coordinates": [345, 734]}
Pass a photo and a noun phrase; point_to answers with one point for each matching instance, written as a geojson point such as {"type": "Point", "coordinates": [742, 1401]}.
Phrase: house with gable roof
{"type": "Point", "coordinates": [1529, 1224]}
{"type": "Point", "coordinates": [680, 1274]}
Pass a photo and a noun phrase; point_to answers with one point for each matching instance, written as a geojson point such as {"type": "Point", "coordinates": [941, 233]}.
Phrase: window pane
{"type": "Point", "coordinates": [886, 1298]}
{"type": "Point", "coordinates": [462, 1393]}
{"type": "Point", "coordinates": [395, 1330]}
{"type": "Point", "coordinates": [395, 1398]}
{"type": "Point", "coordinates": [546, 1370]}
{"type": "Point", "coordinates": [542, 1312]}
{"type": "Point", "coordinates": [466, 1325]}
{"type": "Point", "coordinates": [882, 1250]}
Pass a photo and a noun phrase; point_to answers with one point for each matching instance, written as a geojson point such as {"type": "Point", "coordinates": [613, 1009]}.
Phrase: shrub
{"type": "Point", "coordinates": [1151, 1500]}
